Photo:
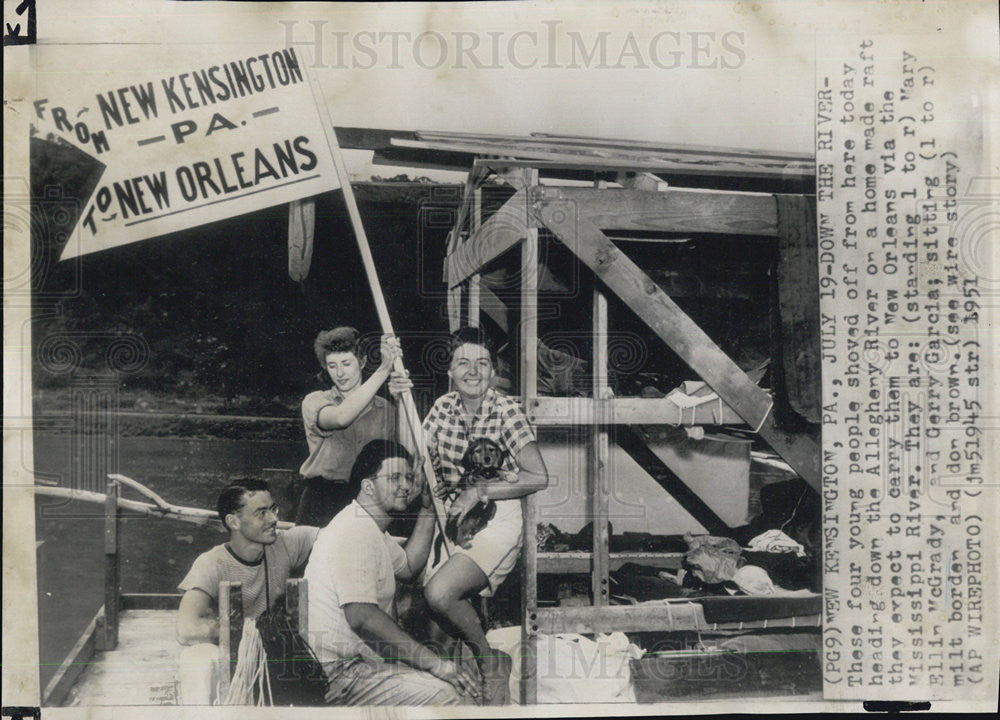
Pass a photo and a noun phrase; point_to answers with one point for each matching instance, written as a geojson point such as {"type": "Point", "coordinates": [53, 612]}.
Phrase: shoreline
{"type": "Point", "coordinates": [122, 423]}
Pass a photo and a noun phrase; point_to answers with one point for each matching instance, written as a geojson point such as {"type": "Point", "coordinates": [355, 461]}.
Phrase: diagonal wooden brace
{"type": "Point", "coordinates": [674, 327]}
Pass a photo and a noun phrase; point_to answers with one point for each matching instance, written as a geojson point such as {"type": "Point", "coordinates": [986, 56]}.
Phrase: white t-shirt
{"type": "Point", "coordinates": [352, 561]}
{"type": "Point", "coordinates": [288, 552]}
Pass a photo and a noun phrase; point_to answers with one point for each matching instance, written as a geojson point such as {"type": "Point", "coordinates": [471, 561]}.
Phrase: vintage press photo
{"type": "Point", "coordinates": [719, 427]}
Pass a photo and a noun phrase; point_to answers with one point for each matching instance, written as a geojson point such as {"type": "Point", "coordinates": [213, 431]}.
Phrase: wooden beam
{"type": "Point", "coordinates": [529, 309]}
{"type": "Point", "coordinates": [668, 211]}
{"type": "Point", "coordinates": [676, 329]}
{"type": "Point", "coordinates": [355, 138]}
{"type": "Point", "coordinates": [472, 182]}
{"type": "Point", "coordinates": [230, 630]}
{"type": "Point", "coordinates": [474, 281]}
{"type": "Point", "coordinates": [58, 688]}
{"type": "Point", "coordinates": [637, 449]}
{"type": "Point", "coordinates": [297, 604]}
{"type": "Point", "coordinates": [529, 602]}
{"type": "Point", "coordinates": [565, 411]}
{"type": "Point", "coordinates": [669, 617]}
{"type": "Point", "coordinates": [625, 158]}
{"type": "Point", "coordinates": [499, 233]}
{"type": "Point", "coordinates": [553, 139]}
{"type": "Point", "coordinates": [494, 307]}
{"type": "Point", "coordinates": [454, 308]}
{"type": "Point", "coordinates": [111, 567]}
{"type": "Point", "coordinates": [598, 467]}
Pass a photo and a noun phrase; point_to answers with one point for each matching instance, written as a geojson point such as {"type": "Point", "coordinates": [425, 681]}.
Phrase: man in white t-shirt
{"type": "Point", "coordinates": [351, 575]}
{"type": "Point", "coordinates": [256, 555]}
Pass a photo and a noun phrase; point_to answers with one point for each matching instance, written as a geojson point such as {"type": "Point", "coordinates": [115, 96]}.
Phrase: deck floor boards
{"type": "Point", "coordinates": [142, 670]}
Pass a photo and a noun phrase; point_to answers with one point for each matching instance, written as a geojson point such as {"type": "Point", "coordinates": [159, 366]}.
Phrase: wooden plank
{"type": "Point", "coordinates": [636, 448]}
{"type": "Point", "coordinates": [632, 159]}
{"type": "Point", "coordinates": [529, 311]}
{"type": "Point", "coordinates": [552, 139]}
{"type": "Point", "coordinates": [474, 282]}
{"type": "Point", "coordinates": [454, 308]}
{"type": "Point", "coordinates": [472, 182]}
{"type": "Point", "coordinates": [494, 307]}
{"type": "Point", "coordinates": [598, 467]}
{"type": "Point", "coordinates": [111, 566]}
{"type": "Point", "coordinates": [671, 617]}
{"type": "Point", "coordinates": [561, 411]}
{"type": "Point", "coordinates": [141, 670]}
{"type": "Point", "coordinates": [296, 602]}
{"type": "Point", "coordinates": [669, 211]}
{"type": "Point", "coordinates": [529, 602]}
{"type": "Point", "coordinates": [230, 630]}
{"type": "Point", "coordinates": [580, 563]}
{"type": "Point", "coordinates": [355, 138]}
{"type": "Point", "coordinates": [149, 601]}
{"type": "Point", "coordinates": [77, 660]}
{"type": "Point", "coordinates": [498, 233]}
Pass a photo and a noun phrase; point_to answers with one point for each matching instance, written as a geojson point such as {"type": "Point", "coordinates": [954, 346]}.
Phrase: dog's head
{"type": "Point", "coordinates": [483, 456]}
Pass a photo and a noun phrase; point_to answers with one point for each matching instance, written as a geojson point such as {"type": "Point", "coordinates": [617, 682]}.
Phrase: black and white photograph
{"type": "Point", "coordinates": [602, 358]}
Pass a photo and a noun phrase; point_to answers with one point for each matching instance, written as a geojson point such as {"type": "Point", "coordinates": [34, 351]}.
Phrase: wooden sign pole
{"type": "Point", "coordinates": [406, 398]}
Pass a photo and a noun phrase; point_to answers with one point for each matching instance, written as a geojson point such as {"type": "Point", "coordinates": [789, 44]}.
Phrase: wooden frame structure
{"type": "Point", "coordinates": [581, 218]}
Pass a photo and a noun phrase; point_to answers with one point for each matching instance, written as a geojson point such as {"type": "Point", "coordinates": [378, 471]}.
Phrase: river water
{"type": "Point", "coordinates": [155, 554]}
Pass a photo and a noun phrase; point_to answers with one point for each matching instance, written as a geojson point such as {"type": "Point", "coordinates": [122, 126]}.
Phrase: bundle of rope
{"type": "Point", "coordinates": [251, 683]}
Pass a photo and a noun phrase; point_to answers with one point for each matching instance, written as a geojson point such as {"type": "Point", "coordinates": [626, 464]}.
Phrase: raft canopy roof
{"type": "Point", "coordinates": [572, 157]}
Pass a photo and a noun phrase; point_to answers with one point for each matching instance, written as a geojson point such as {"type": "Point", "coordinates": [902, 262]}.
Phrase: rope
{"type": "Point", "coordinates": [251, 683]}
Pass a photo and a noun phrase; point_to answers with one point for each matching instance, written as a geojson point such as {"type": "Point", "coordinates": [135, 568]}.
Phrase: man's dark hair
{"type": "Point", "coordinates": [339, 339]}
{"type": "Point", "coordinates": [370, 459]}
{"type": "Point", "coordinates": [233, 496]}
{"type": "Point", "coordinates": [471, 336]}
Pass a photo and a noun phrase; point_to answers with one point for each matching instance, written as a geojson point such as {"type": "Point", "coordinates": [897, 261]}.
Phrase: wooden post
{"type": "Point", "coordinates": [477, 218]}
{"type": "Point", "coordinates": [111, 567]}
{"type": "Point", "coordinates": [230, 630]}
{"type": "Point", "coordinates": [297, 603]}
{"type": "Point", "coordinates": [529, 313]}
{"type": "Point", "coordinates": [529, 390]}
{"type": "Point", "coordinates": [406, 399]}
{"type": "Point", "coordinates": [599, 472]}
{"type": "Point", "coordinates": [529, 604]}
{"type": "Point", "coordinates": [297, 607]}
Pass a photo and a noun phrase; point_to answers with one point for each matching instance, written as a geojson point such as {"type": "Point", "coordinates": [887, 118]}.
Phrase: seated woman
{"type": "Point", "coordinates": [342, 420]}
{"type": "Point", "coordinates": [473, 410]}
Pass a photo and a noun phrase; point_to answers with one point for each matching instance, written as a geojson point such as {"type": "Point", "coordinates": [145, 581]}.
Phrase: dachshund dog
{"type": "Point", "coordinates": [481, 462]}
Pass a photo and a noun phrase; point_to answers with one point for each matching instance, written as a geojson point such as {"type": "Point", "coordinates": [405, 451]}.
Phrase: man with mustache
{"type": "Point", "coordinates": [256, 555]}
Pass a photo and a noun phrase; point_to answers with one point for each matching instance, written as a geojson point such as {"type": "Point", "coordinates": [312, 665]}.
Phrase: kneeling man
{"type": "Point", "coordinates": [368, 658]}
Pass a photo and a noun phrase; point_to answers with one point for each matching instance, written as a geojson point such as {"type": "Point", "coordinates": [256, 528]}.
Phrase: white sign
{"type": "Point", "coordinates": [187, 137]}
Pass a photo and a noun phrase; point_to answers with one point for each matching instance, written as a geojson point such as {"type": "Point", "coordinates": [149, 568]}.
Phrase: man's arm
{"type": "Point", "coordinates": [392, 642]}
{"type": "Point", "coordinates": [196, 623]}
{"type": "Point", "coordinates": [418, 546]}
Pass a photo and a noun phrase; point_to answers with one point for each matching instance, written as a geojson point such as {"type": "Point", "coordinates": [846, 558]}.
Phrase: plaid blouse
{"type": "Point", "coordinates": [499, 418]}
